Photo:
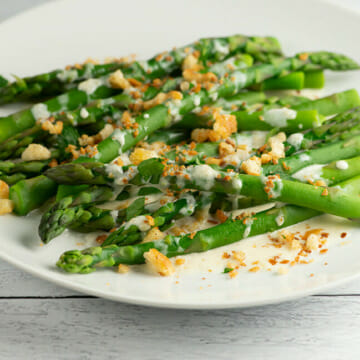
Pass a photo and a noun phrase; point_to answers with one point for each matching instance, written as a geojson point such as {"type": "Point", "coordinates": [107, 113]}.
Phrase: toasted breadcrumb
{"type": "Point", "coordinates": [6, 206]}
{"type": "Point", "coordinates": [54, 129]}
{"type": "Point", "coordinates": [287, 238]}
{"type": "Point", "coordinates": [123, 269]}
{"type": "Point", "coordinates": [153, 235]}
{"type": "Point", "coordinates": [101, 238]}
{"type": "Point", "coordinates": [239, 256]}
{"type": "Point", "coordinates": [233, 274]}
{"type": "Point", "coordinates": [312, 242]}
{"type": "Point", "coordinates": [117, 80]}
{"type": "Point", "coordinates": [252, 166]}
{"type": "Point", "coordinates": [36, 152]}
{"type": "Point", "coordinates": [193, 75]}
{"type": "Point", "coordinates": [254, 269]}
{"type": "Point", "coordinates": [277, 147]}
{"type": "Point", "coordinates": [159, 262]}
{"type": "Point", "coordinates": [184, 86]}
{"type": "Point", "coordinates": [221, 215]}
{"type": "Point", "coordinates": [191, 62]}
{"type": "Point", "coordinates": [224, 125]}
{"type": "Point", "coordinates": [139, 155]}
{"type": "Point", "coordinates": [180, 261]}
{"type": "Point", "coordinates": [200, 135]}
{"type": "Point", "coordinates": [225, 149]}
{"type": "Point", "coordinates": [213, 161]}
{"type": "Point", "coordinates": [4, 190]}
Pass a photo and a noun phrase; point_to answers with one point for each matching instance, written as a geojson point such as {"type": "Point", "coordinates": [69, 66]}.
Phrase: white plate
{"type": "Point", "coordinates": [68, 31]}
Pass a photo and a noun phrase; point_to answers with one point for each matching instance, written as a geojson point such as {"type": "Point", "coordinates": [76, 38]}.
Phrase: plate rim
{"type": "Point", "coordinates": [160, 303]}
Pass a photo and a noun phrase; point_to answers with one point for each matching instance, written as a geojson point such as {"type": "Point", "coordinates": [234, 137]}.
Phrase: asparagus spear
{"type": "Point", "coordinates": [330, 152]}
{"type": "Point", "coordinates": [238, 80]}
{"type": "Point", "coordinates": [86, 92]}
{"type": "Point", "coordinates": [90, 259]}
{"type": "Point", "coordinates": [330, 174]}
{"type": "Point", "coordinates": [295, 81]}
{"type": "Point", "coordinates": [172, 110]}
{"type": "Point", "coordinates": [65, 211]}
{"type": "Point", "coordinates": [58, 81]}
{"type": "Point", "coordinates": [301, 116]}
{"type": "Point", "coordinates": [31, 193]}
{"type": "Point", "coordinates": [132, 231]}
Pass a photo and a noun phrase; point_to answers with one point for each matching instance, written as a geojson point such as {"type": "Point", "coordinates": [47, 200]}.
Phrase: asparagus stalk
{"type": "Point", "coordinates": [238, 80]}
{"type": "Point", "coordinates": [172, 110]}
{"type": "Point", "coordinates": [133, 231]}
{"type": "Point", "coordinates": [31, 193]}
{"type": "Point", "coordinates": [314, 79]}
{"type": "Point", "coordinates": [90, 259]}
{"type": "Point", "coordinates": [67, 210]}
{"type": "Point", "coordinates": [58, 81]}
{"type": "Point", "coordinates": [86, 92]}
{"type": "Point", "coordinates": [323, 155]}
{"type": "Point", "coordinates": [331, 174]}
{"type": "Point", "coordinates": [302, 116]}
{"type": "Point", "coordinates": [293, 81]}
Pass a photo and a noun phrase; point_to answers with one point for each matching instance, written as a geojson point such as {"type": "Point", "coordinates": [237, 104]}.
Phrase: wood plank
{"type": "Point", "coordinates": [321, 327]}
{"type": "Point", "coordinates": [15, 282]}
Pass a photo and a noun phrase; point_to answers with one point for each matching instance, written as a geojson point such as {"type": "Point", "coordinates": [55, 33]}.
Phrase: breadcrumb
{"type": "Point", "coordinates": [159, 262]}
{"type": "Point", "coordinates": [6, 206]}
{"type": "Point", "coordinates": [36, 152]}
{"type": "Point", "coordinates": [4, 190]}
{"type": "Point", "coordinates": [153, 235]}
{"type": "Point", "coordinates": [123, 269]}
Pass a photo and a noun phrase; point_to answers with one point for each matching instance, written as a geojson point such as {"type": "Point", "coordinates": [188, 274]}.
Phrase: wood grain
{"type": "Point", "coordinates": [99, 329]}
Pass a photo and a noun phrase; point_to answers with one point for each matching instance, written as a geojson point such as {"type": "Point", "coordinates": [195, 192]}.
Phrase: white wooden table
{"type": "Point", "coordinates": [39, 320]}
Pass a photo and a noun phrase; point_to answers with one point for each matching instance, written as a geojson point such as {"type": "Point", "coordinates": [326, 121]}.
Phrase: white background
{"type": "Point", "coordinates": [39, 320]}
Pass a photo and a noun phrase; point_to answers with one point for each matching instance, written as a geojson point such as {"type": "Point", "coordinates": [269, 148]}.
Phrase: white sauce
{"type": "Point", "coordinates": [238, 78]}
{"type": "Point", "coordinates": [220, 69]}
{"type": "Point", "coordinates": [67, 75]}
{"type": "Point", "coordinates": [253, 139]}
{"type": "Point", "coordinates": [275, 191]}
{"type": "Point", "coordinates": [174, 109]}
{"type": "Point", "coordinates": [203, 175]}
{"type": "Point", "coordinates": [114, 214]}
{"type": "Point", "coordinates": [220, 48]}
{"type": "Point", "coordinates": [236, 183]}
{"type": "Point", "coordinates": [280, 219]}
{"type": "Point", "coordinates": [140, 221]}
{"type": "Point", "coordinates": [116, 172]}
{"type": "Point", "coordinates": [84, 113]}
{"type": "Point", "coordinates": [63, 100]}
{"type": "Point", "coordinates": [309, 173]}
{"type": "Point", "coordinates": [279, 117]}
{"type": "Point", "coordinates": [190, 207]}
{"type": "Point", "coordinates": [88, 71]}
{"type": "Point", "coordinates": [145, 65]}
{"type": "Point", "coordinates": [40, 112]}
{"type": "Point", "coordinates": [342, 165]}
{"type": "Point", "coordinates": [197, 100]}
{"type": "Point", "coordinates": [89, 86]}
{"type": "Point", "coordinates": [295, 140]}
{"type": "Point", "coordinates": [237, 157]}
{"type": "Point", "coordinates": [304, 157]}
{"type": "Point", "coordinates": [119, 136]}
